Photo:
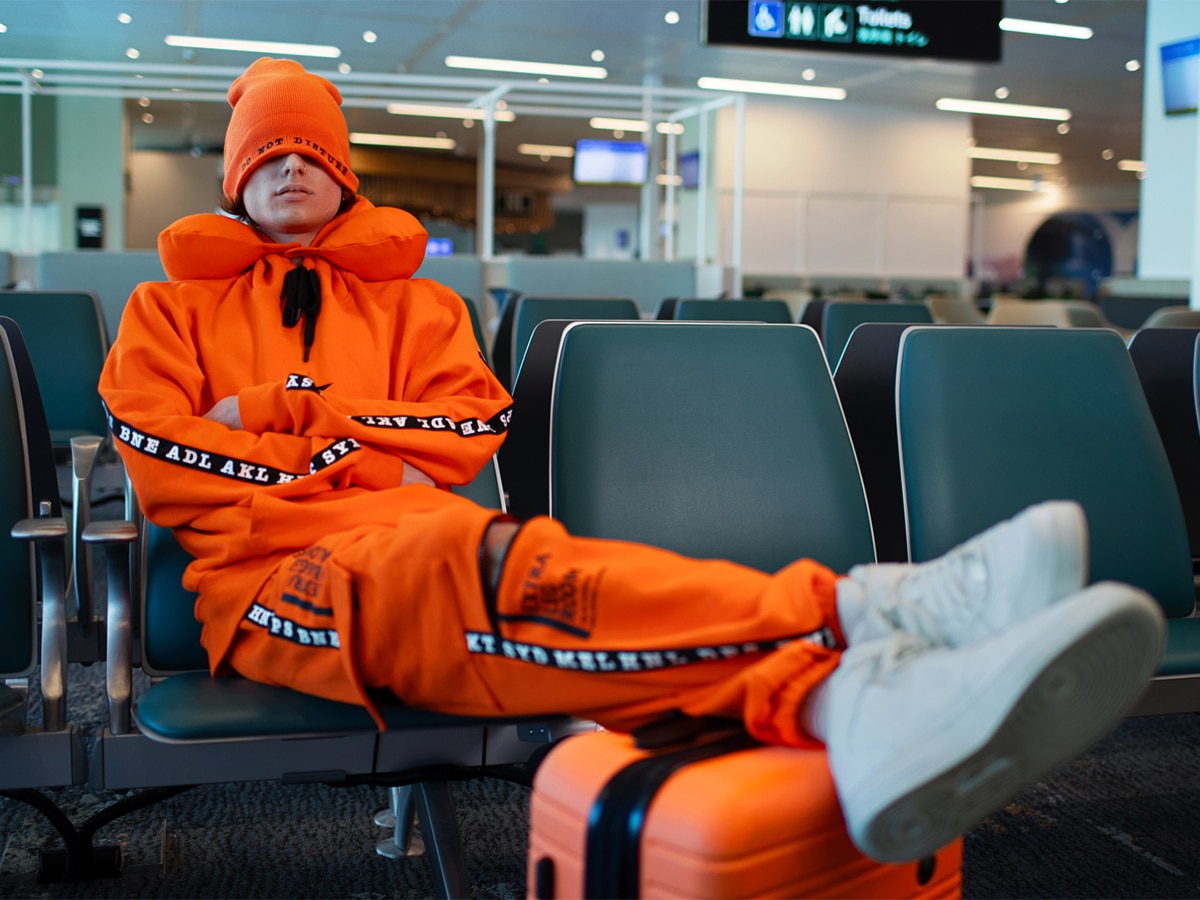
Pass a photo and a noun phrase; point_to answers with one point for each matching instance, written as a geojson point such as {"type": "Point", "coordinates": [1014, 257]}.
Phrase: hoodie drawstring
{"type": "Point", "coordinates": [301, 294]}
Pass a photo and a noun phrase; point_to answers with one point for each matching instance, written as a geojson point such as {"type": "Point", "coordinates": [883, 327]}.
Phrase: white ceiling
{"type": "Point", "coordinates": [414, 37]}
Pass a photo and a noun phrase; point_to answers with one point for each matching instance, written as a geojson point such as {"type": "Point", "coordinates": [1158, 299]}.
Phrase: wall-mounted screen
{"type": "Point", "coordinates": [610, 162]}
{"type": "Point", "coordinates": [689, 169]}
{"type": "Point", "coordinates": [1181, 76]}
{"type": "Point", "coordinates": [937, 29]}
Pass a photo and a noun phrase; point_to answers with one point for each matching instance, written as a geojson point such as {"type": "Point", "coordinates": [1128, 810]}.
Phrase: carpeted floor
{"type": "Point", "coordinates": [1119, 821]}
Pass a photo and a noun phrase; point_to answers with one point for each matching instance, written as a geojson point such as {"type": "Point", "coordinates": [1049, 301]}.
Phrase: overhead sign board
{"type": "Point", "coordinates": [929, 29]}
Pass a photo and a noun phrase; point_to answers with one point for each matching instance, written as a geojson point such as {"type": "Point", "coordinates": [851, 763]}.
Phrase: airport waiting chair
{"type": "Point", "coordinates": [954, 309]}
{"type": "Point", "coordinates": [477, 327]}
{"type": "Point", "coordinates": [814, 316]}
{"type": "Point", "coordinates": [1173, 317]}
{"type": "Point", "coordinates": [188, 728]}
{"type": "Point", "coordinates": [865, 378]}
{"type": "Point", "coordinates": [1165, 361]}
{"type": "Point", "coordinates": [501, 355]}
{"type": "Point", "coordinates": [532, 310]}
{"type": "Point", "coordinates": [666, 308]}
{"type": "Point", "coordinates": [993, 419]}
{"type": "Point", "coordinates": [841, 318]}
{"type": "Point", "coordinates": [65, 335]}
{"type": "Point", "coordinates": [697, 309]}
{"type": "Point", "coordinates": [1028, 312]}
{"type": "Point", "coordinates": [50, 754]}
{"type": "Point", "coordinates": [765, 477]}
{"type": "Point", "coordinates": [525, 454]}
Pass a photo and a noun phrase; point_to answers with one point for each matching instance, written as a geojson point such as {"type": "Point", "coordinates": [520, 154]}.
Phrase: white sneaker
{"type": "Point", "coordinates": [923, 741]}
{"type": "Point", "coordinates": [1001, 576]}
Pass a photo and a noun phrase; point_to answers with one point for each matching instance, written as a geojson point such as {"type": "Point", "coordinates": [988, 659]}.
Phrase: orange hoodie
{"type": "Point", "coordinates": [394, 375]}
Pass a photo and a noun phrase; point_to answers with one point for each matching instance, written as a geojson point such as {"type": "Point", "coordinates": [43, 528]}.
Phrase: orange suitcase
{"type": "Point", "coordinates": [724, 819]}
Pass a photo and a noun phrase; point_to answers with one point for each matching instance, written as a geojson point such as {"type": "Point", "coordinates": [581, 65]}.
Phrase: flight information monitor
{"type": "Point", "coordinates": [926, 29]}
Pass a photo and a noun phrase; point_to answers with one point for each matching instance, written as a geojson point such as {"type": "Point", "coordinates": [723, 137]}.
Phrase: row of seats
{"type": "Point", "coordinates": [833, 319]}
{"type": "Point", "coordinates": [716, 439]}
{"type": "Point", "coordinates": [187, 728]}
{"type": "Point", "coordinates": [982, 422]}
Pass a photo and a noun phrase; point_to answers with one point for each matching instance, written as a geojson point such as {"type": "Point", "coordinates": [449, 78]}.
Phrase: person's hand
{"type": "Point", "coordinates": [413, 475]}
{"type": "Point", "coordinates": [226, 412]}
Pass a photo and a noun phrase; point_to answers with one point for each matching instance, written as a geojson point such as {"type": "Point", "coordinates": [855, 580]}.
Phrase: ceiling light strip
{"type": "Point", "coordinates": [402, 140]}
{"type": "Point", "coordinates": [1049, 29]}
{"type": "Point", "coordinates": [780, 89]}
{"type": "Point", "coordinates": [446, 112]}
{"type": "Point", "coordinates": [989, 108]}
{"type": "Point", "coordinates": [522, 67]}
{"type": "Point", "coordinates": [1003, 184]}
{"type": "Point", "coordinates": [1028, 156]}
{"type": "Point", "coordinates": [324, 51]}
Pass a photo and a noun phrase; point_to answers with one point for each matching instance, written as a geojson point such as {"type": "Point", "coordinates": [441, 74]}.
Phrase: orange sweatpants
{"type": "Point", "coordinates": [615, 632]}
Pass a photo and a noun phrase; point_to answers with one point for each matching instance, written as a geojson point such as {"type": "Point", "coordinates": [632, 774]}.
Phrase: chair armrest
{"type": "Point", "coordinates": [49, 534]}
{"type": "Point", "coordinates": [117, 537]}
{"type": "Point", "coordinates": [84, 449]}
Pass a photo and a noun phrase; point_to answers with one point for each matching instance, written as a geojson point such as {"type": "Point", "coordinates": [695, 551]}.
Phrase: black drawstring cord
{"type": "Point", "coordinates": [301, 294]}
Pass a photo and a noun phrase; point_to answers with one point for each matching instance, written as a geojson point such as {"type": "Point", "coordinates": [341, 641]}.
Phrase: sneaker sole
{"type": "Point", "coordinates": [1080, 692]}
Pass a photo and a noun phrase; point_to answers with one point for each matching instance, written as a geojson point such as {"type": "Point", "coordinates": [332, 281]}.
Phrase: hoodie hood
{"type": "Point", "coordinates": [374, 243]}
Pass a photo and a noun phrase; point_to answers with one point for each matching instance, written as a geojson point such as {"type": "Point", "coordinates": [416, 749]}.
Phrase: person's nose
{"type": "Point", "coordinates": [293, 163]}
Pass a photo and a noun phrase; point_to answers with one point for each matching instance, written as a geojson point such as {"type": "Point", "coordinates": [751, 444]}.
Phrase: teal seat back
{"type": "Point", "coordinates": [170, 631]}
{"type": "Point", "coordinates": [716, 440]}
{"type": "Point", "coordinates": [843, 317]}
{"type": "Point", "coordinates": [67, 343]}
{"type": "Point", "coordinates": [477, 325]}
{"type": "Point", "coordinates": [18, 641]}
{"type": "Point", "coordinates": [693, 309]}
{"type": "Point", "coordinates": [993, 419]}
{"type": "Point", "coordinates": [532, 310]}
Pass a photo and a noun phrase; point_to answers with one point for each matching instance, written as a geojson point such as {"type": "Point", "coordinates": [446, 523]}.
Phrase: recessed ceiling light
{"type": "Point", "coordinates": [1106, 154]}
{"type": "Point", "coordinates": [3, 28]}
{"type": "Point", "coordinates": [597, 56]}
{"type": "Point", "coordinates": [1004, 184]}
{"type": "Point", "coordinates": [1133, 65]}
{"type": "Point", "coordinates": [523, 67]}
{"type": "Point", "coordinates": [446, 112]}
{"type": "Point", "coordinates": [344, 68]}
{"type": "Point", "coordinates": [370, 37]}
{"type": "Point", "coordinates": [124, 18]}
{"type": "Point", "coordinates": [671, 18]}
{"type": "Point", "coordinates": [1001, 93]}
{"type": "Point", "coordinates": [202, 43]}
{"type": "Point", "coordinates": [1062, 128]}
{"type": "Point", "coordinates": [989, 108]}
{"type": "Point", "coordinates": [133, 53]}
{"type": "Point", "coordinates": [1017, 156]}
{"type": "Point", "coordinates": [808, 74]}
{"type": "Point", "coordinates": [1049, 29]}
{"type": "Point", "coordinates": [546, 150]}
{"type": "Point", "coordinates": [402, 140]}
{"type": "Point", "coordinates": [771, 87]}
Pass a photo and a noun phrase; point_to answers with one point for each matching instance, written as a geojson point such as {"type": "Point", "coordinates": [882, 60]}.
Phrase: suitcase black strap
{"type": "Point", "coordinates": [612, 867]}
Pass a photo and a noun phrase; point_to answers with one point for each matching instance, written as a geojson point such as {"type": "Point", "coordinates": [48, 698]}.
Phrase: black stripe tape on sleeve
{"type": "Point", "coordinates": [218, 464]}
{"type": "Point", "coordinates": [470, 427]}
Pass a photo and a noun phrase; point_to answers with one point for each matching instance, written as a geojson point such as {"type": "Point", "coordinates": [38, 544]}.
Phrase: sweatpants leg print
{"type": "Point", "coordinates": [610, 631]}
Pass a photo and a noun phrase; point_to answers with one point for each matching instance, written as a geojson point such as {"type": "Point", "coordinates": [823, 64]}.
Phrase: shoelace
{"type": "Point", "coordinates": [301, 295]}
{"type": "Point", "coordinates": [939, 594]}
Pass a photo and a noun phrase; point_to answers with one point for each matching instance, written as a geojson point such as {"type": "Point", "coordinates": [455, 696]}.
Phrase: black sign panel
{"type": "Point", "coordinates": [928, 29]}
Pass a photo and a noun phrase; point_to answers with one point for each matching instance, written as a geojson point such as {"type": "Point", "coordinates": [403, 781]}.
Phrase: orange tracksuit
{"type": "Point", "coordinates": [316, 570]}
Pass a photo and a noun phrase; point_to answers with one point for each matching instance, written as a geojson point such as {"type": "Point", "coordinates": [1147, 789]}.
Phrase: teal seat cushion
{"type": "Point", "coordinates": [195, 707]}
{"type": "Point", "coordinates": [1182, 654]}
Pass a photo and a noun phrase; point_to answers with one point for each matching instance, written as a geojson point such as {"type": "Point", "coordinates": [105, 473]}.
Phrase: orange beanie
{"type": "Point", "coordinates": [278, 108]}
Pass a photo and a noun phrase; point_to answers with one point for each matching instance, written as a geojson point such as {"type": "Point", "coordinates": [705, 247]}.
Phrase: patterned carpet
{"type": "Point", "coordinates": [1119, 821]}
